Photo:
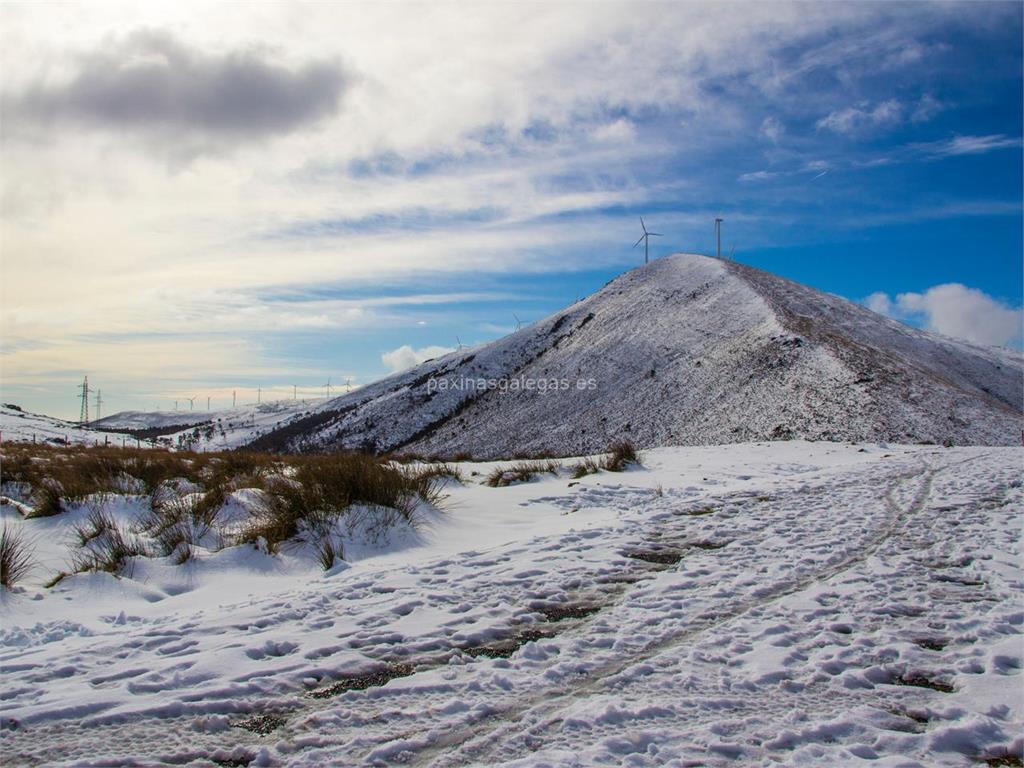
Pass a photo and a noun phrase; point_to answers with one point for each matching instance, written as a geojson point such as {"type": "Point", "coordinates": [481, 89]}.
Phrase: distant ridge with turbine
{"type": "Point", "coordinates": [685, 350]}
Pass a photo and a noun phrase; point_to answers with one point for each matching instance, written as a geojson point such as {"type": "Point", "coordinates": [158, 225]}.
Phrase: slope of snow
{"type": "Point", "coordinates": [213, 430]}
{"type": "Point", "coordinates": [810, 603]}
{"type": "Point", "coordinates": [20, 426]}
{"type": "Point", "coordinates": [686, 350]}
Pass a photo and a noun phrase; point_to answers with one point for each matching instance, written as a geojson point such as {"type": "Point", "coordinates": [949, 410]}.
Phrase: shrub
{"type": "Point", "coordinates": [153, 467]}
{"type": "Point", "coordinates": [621, 454]}
{"type": "Point", "coordinates": [46, 501]}
{"type": "Point", "coordinates": [16, 559]}
{"type": "Point", "coordinates": [238, 469]}
{"type": "Point", "coordinates": [322, 488]}
{"type": "Point", "coordinates": [302, 494]}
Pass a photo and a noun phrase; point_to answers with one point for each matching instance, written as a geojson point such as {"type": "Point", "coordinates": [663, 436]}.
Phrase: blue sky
{"type": "Point", "coordinates": [203, 199]}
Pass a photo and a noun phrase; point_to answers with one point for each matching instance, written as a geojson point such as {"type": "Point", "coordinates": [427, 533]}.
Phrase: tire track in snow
{"type": "Point", "coordinates": [539, 710]}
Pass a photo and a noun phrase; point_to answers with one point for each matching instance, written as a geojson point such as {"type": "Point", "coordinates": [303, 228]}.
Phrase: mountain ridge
{"type": "Point", "coordinates": [686, 350]}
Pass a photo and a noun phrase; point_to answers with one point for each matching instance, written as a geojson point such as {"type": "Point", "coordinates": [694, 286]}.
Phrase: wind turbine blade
{"type": "Point", "coordinates": [639, 241]}
{"type": "Point", "coordinates": [655, 234]}
{"type": "Point", "coordinates": [642, 225]}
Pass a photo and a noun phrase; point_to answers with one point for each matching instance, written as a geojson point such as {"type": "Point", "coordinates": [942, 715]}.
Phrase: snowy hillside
{"type": "Point", "coordinates": [686, 350]}
{"type": "Point", "coordinates": [212, 430]}
{"type": "Point", "coordinates": [18, 425]}
{"type": "Point", "coordinates": [761, 604]}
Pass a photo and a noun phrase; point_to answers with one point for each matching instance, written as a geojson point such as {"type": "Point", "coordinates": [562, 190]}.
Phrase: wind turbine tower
{"type": "Point", "coordinates": [645, 237]}
{"type": "Point", "coordinates": [718, 234]}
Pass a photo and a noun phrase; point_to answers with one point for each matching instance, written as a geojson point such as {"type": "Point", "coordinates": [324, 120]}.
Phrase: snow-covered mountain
{"type": "Point", "coordinates": [686, 350]}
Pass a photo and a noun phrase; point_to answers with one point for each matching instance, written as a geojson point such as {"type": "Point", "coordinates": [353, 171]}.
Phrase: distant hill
{"type": "Point", "coordinates": [20, 426]}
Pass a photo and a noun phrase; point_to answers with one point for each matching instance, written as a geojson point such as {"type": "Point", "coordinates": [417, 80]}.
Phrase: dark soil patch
{"type": "Point", "coordinates": [707, 544]}
{"type": "Point", "coordinates": [362, 682]}
{"type": "Point", "coordinates": [503, 649]}
{"type": "Point", "coordinates": [622, 578]}
{"type": "Point", "coordinates": [568, 611]}
{"type": "Point", "coordinates": [961, 581]}
{"type": "Point", "coordinates": [920, 681]}
{"type": "Point", "coordinates": [1011, 760]}
{"type": "Point", "coordinates": [232, 762]}
{"type": "Point", "coordinates": [261, 724]}
{"type": "Point", "coordinates": [931, 643]}
{"type": "Point", "coordinates": [917, 717]}
{"type": "Point", "coordinates": [656, 556]}
{"type": "Point", "coordinates": [916, 724]}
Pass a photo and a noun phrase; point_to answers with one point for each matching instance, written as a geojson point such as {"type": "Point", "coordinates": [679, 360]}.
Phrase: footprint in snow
{"type": "Point", "coordinates": [271, 649]}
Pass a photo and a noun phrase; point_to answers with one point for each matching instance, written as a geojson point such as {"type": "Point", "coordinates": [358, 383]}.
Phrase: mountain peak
{"type": "Point", "coordinates": [688, 349]}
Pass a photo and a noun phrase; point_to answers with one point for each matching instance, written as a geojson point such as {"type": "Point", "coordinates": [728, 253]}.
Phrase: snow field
{"type": "Point", "coordinates": [793, 603]}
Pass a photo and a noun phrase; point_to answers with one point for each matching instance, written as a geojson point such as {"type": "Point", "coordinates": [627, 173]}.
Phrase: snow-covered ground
{"type": "Point", "coordinates": [774, 603]}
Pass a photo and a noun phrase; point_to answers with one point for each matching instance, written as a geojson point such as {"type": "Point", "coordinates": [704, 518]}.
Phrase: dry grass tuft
{"type": "Point", "coordinates": [105, 546]}
{"type": "Point", "coordinates": [520, 472]}
{"type": "Point", "coordinates": [16, 559]}
{"type": "Point", "coordinates": [585, 467]}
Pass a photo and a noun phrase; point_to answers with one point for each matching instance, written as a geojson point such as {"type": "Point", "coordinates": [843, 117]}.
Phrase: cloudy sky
{"type": "Point", "coordinates": [204, 198]}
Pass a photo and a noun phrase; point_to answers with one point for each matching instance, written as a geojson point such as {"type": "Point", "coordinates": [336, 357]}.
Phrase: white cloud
{"type": "Point", "coordinates": [439, 123]}
{"type": "Point", "coordinates": [405, 357]}
{"type": "Point", "coordinates": [969, 145]}
{"type": "Point", "coordinates": [879, 302]}
{"type": "Point", "coordinates": [621, 130]}
{"type": "Point", "coordinates": [927, 108]}
{"type": "Point", "coordinates": [955, 310]}
{"type": "Point", "coordinates": [772, 128]}
{"type": "Point", "coordinates": [862, 117]}
{"type": "Point", "coordinates": [758, 176]}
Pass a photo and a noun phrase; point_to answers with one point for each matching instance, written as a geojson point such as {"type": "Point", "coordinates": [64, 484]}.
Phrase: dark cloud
{"type": "Point", "coordinates": [150, 82]}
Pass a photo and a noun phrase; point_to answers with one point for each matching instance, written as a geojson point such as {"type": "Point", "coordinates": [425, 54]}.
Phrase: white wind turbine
{"type": "Point", "coordinates": [645, 237]}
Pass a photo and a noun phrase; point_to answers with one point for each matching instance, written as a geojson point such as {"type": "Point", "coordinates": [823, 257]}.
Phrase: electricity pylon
{"type": "Point", "coordinates": [83, 418]}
